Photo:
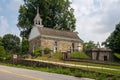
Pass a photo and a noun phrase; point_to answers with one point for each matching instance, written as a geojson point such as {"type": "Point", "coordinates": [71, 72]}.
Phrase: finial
{"type": "Point", "coordinates": [37, 9]}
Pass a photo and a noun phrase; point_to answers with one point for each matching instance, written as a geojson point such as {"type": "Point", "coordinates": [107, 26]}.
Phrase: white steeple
{"type": "Point", "coordinates": [37, 19]}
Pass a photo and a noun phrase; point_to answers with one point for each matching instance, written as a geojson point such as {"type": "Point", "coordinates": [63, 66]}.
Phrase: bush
{"type": "Point", "coordinates": [57, 55]}
{"type": "Point", "coordinates": [2, 52]}
{"type": "Point", "coordinates": [25, 46]}
{"type": "Point", "coordinates": [37, 52]}
{"type": "Point", "coordinates": [117, 55]}
{"type": "Point", "coordinates": [47, 50]}
{"type": "Point", "coordinates": [8, 56]}
{"type": "Point", "coordinates": [79, 55]}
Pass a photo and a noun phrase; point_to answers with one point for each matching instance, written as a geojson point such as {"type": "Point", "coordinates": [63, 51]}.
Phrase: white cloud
{"type": "Point", "coordinates": [96, 19]}
{"type": "Point", "coordinates": [3, 25]}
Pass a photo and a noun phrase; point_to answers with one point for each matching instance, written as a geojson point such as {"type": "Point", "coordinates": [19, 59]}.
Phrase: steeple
{"type": "Point", "coordinates": [37, 19]}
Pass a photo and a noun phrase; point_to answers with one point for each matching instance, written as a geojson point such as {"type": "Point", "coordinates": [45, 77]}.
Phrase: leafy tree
{"type": "Point", "coordinates": [2, 52]}
{"type": "Point", "coordinates": [11, 43]}
{"type": "Point", "coordinates": [89, 45]}
{"type": "Point", "coordinates": [55, 14]}
{"type": "Point", "coordinates": [25, 46]}
{"type": "Point", "coordinates": [113, 41]}
{"type": "Point", "coordinates": [0, 41]}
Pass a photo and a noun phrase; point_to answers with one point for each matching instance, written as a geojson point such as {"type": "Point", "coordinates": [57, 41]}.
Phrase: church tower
{"type": "Point", "coordinates": [37, 19]}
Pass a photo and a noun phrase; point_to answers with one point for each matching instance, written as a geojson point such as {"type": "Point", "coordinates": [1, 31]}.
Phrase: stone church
{"type": "Point", "coordinates": [55, 40]}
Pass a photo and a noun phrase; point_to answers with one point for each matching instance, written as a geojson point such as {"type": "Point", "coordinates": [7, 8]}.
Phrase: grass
{"type": "Point", "coordinates": [79, 55]}
{"type": "Point", "coordinates": [57, 58]}
{"type": "Point", "coordinates": [68, 71]}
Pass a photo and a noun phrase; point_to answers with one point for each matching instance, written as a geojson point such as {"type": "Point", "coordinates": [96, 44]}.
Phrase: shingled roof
{"type": "Point", "coordinates": [58, 33]}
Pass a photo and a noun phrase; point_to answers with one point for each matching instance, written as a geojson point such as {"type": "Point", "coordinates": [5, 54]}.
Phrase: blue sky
{"type": "Point", "coordinates": [96, 19]}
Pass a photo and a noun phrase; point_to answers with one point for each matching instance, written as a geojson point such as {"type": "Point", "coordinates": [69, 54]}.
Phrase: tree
{"type": "Point", "coordinates": [0, 41]}
{"type": "Point", "coordinates": [56, 14]}
{"type": "Point", "coordinates": [113, 41]}
{"type": "Point", "coordinates": [89, 45]}
{"type": "Point", "coordinates": [2, 52]}
{"type": "Point", "coordinates": [11, 43]}
{"type": "Point", "coordinates": [25, 46]}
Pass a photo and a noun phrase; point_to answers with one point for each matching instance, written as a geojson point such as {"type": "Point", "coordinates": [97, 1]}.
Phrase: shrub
{"type": "Point", "coordinates": [37, 52]}
{"type": "Point", "coordinates": [47, 50]}
{"type": "Point", "coordinates": [2, 52]}
{"type": "Point", "coordinates": [79, 55]}
{"type": "Point", "coordinates": [8, 56]}
{"type": "Point", "coordinates": [25, 46]}
{"type": "Point", "coordinates": [57, 55]}
{"type": "Point", "coordinates": [117, 55]}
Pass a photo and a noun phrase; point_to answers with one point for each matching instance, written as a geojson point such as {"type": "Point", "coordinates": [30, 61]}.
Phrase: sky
{"type": "Point", "coordinates": [95, 19]}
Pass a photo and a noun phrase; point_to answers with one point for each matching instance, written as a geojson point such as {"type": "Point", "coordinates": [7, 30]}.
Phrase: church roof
{"type": "Point", "coordinates": [58, 33]}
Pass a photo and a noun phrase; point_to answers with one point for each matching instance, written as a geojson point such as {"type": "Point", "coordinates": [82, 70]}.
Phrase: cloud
{"type": "Point", "coordinates": [96, 19]}
{"type": "Point", "coordinates": [3, 25]}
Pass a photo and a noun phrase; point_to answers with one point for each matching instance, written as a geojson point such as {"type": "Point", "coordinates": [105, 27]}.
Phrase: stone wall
{"type": "Point", "coordinates": [62, 45]}
{"type": "Point", "coordinates": [34, 43]}
{"type": "Point", "coordinates": [47, 43]}
{"type": "Point", "coordinates": [107, 54]}
{"type": "Point", "coordinates": [101, 56]}
{"type": "Point", "coordinates": [94, 55]}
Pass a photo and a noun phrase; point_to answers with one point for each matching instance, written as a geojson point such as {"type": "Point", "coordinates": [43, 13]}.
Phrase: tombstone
{"type": "Point", "coordinates": [51, 53]}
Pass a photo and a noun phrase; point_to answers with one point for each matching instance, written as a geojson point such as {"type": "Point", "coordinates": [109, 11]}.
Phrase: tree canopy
{"type": "Point", "coordinates": [0, 41]}
{"type": "Point", "coordinates": [56, 14]}
{"type": "Point", "coordinates": [89, 45]}
{"type": "Point", "coordinates": [25, 46]}
{"type": "Point", "coordinates": [113, 41]}
{"type": "Point", "coordinates": [11, 43]}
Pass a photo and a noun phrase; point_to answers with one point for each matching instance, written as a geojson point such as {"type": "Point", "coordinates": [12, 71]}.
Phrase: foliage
{"type": "Point", "coordinates": [47, 50]}
{"type": "Point", "coordinates": [2, 52]}
{"type": "Point", "coordinates": [11, 43]}
{"type": "Point", "coordinates": [55, 14]}
{"type": "Point", "coordinates": [25, 46]}
{"type": "Point", "coordinates": [57, 55]}
{"type": "Point", "coordinates": [117, 55]}
{"type": "Point", "coordinates": [113, 40]}
{"type": "Point", "coordinates": [89, 45]}
{"type": "Point", "coordinates": [37, 52]}
{"type": "Point", "coordinates": [79, 55]}
{"type": "Point", "coordinates": [0, 41]}
{"type": "Point", "coordinates": [8, 56]}
{"type": "Point", "coordinates": [4, 55]}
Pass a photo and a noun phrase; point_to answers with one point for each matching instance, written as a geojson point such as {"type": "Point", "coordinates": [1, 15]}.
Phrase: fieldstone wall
{"type": "Point", "coordinates": [47, 43]}
{"type": "Point", "coordinates": [107, 54]}
{"type": "Point", "coordinates": [34, 43]}
{"type": "Point", "coordinates": [94, 55]}
{"type": "Point", "coordinates": [101, 56]}
{"type": "Point", "coordinates": [62, 45]}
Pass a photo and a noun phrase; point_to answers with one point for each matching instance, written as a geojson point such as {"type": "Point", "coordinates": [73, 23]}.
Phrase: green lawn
{"type": "Point", "coordinates": [79, 55]}
{"type": "Point", "coordinates": [57, 58]}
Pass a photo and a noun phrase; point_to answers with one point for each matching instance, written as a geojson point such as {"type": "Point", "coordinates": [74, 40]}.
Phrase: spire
{"type": "Point", "coordinates": [37, 10]}
{"type": "Point", "coordinates": [37, 19]}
